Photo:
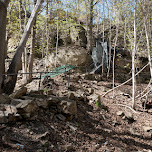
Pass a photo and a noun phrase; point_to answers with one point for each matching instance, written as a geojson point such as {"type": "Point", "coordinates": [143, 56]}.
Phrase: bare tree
{"type": "Point", "coordinates": [24, 54]}
{"type": "Point", "coordinates": [57, 38]}
{"type": "Point", "coordinates": [31, 57]}
{"type": "Point", "coordinates": [147, 19]}
{"type": "Point", "coordinates": [114, 54]}
{"type": "Point", "coordinates": [47, 33]}
{"type": "Point", "coordinates": [109, 13]}
{"type": "Point", "coordinates": [103, 40]}
{"type": "Point", "coordinates": [90, 26]}
{"type": "Point", "coordinates": [133, 61]}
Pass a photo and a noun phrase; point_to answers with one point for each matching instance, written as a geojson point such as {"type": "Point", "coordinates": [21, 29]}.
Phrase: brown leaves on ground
{"type": "Point", "coordinates": [93, 130]}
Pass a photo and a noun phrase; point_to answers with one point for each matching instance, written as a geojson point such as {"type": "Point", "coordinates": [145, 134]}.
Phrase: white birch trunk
{"type": "Point", "coordinates": [133, 61]}
{"type": "Point", "coordinates": [113, 64]}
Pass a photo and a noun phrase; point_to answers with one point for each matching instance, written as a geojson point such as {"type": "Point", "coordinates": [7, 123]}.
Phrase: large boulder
{"type": "Point", "coordinates": [22, 91]}
{"type": "Point", "coordinates": [8, 113]}
{"type": "Point", "coordinates": [70, 55]}
{"type": "Point", "coordinates": [27, 108]}
{"type": "Point", "coordinates": [4, 99]}
{"type": "Point", "coordinates": [68, 107]}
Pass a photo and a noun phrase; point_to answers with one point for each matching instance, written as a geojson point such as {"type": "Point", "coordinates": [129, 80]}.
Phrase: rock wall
{"type": "Point", "coordinates": [70, 55]}
{"type": "Point", "coordinates": [75, 35]}
{"type": "Point", "coordinates": [78, 36]}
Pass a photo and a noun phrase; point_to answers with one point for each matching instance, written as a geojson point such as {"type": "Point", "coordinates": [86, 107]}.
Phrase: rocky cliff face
{"type": "Point", "coordinates": [78, 36]}
{"type": "Point", "coordinates": [75, 35]}
{"type": "Point", "coordinates": [70, 55]}
{"type": "Point", "coordinates": [73, 50]}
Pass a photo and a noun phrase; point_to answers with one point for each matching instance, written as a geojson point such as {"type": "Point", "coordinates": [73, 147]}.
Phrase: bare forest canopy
{"type": "Point", "coordinates": [39, 28]}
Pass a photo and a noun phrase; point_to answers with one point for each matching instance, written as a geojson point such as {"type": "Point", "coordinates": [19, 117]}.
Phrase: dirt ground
{"type": "Point", "coordinates": [97, 128]}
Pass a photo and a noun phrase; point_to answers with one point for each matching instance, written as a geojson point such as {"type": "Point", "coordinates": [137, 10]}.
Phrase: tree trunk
{"type": "Point", "coordinates": [90, 26]}
{"type": "Point", "coordinates": [133, 61]}
{"type": "Point", "coordinates": [113, 64]}
{"type": "Point", "coordinates": [98, 17]}
{"type": "Point", "coordinates": [3, 14]}
{"type": "Point", "coordinates": [47, 34]}
{"type": "Point", "coordinates": [32, 50]}
{"type": "Point", "coordinates": [8, 33]}
{"type": "Point", "coordinates": [148, 47]}
{"type": "Point", "coordinates": [10, 82]}
{"type": "Point", "coordinates": [148, 32]}
{"type": "Point", "coordinates": [20, 17]}
{"type": "Point", "coordinates": [24, 54]}
{"type": "Point", "coordinates": [109, 50]}
{"type": "Point", "coordinates": [103, 52]}
{"type": "Point", "coordinates": [57, 39]}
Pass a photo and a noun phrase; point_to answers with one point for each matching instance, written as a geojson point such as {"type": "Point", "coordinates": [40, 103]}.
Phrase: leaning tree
{"type": "Point", "coordinates": [7, 84]}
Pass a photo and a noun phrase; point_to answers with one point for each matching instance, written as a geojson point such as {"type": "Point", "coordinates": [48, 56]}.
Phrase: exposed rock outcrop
{"type": "Point", "coordinates": [78, 35]}
{"type": "Point", "coordinates": [70, 55]}
{"type": "Point", "coordinates": [75, 35]}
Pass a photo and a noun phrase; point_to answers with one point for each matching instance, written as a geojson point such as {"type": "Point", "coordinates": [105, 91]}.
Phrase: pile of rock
{"type": "Point", "coordinates": [27, 106]}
